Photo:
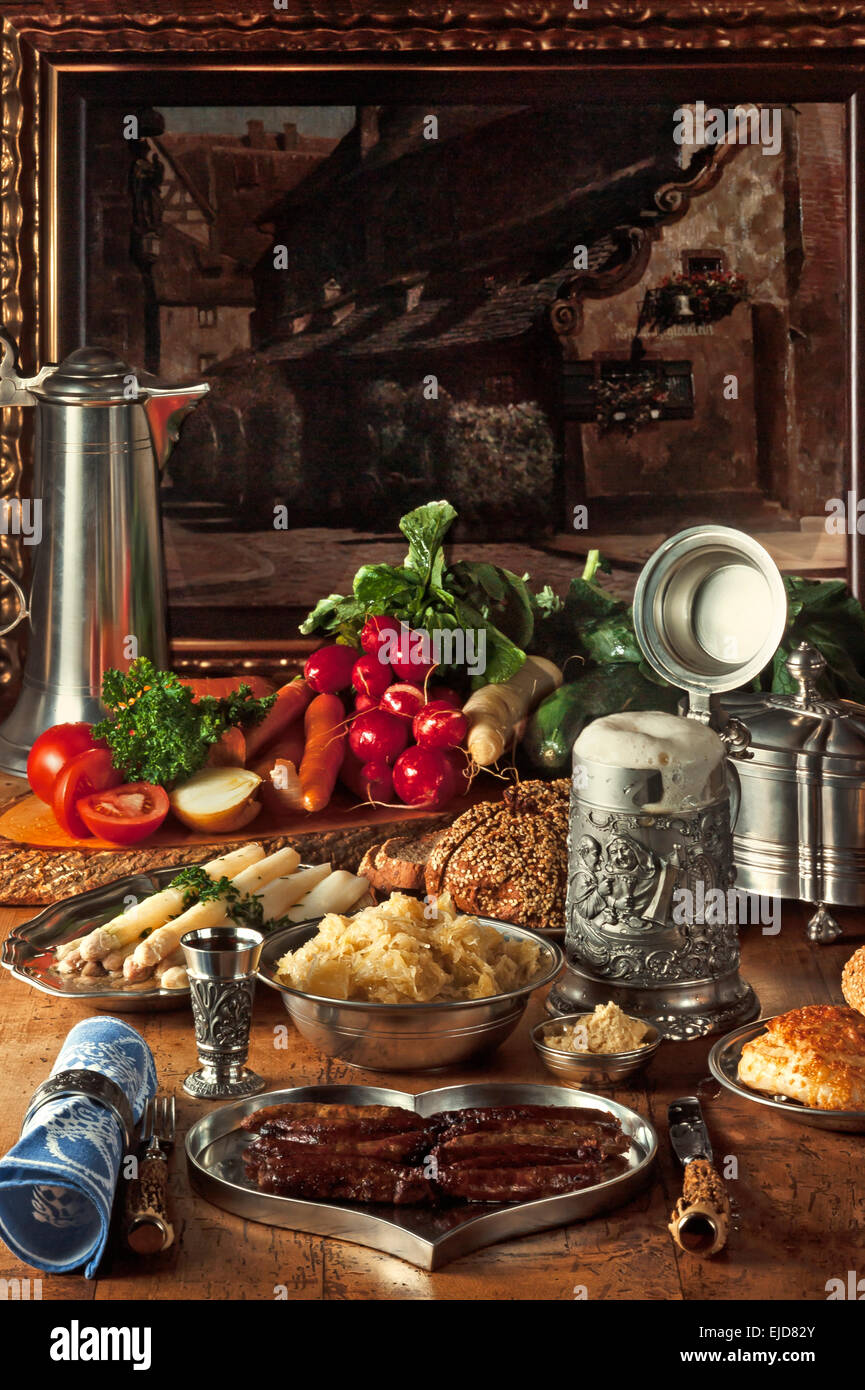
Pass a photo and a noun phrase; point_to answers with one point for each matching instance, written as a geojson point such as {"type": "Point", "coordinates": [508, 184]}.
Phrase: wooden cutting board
{"type": "Point", "coordinates": [40, 863]}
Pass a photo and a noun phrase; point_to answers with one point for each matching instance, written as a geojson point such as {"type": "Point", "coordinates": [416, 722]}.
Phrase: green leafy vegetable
{"type": "Point", "coordinates": [425, 529]}
{"type": "Point", "coordinates": [199, 887]}
{"type": "Point", "coordinates": [428, 594]}
{"type": "Point", "coordinates": [824, 613]}
{"type": "Point", "coordinates": [156, 729]}
{"type": "Point", "coordinates": [597, 629]}
{"type": "Point", "coordinates": [591, 625]}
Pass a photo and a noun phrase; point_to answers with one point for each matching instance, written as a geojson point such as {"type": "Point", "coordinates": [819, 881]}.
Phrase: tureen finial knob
{"type": "Point", "coordinates": [805, 664]}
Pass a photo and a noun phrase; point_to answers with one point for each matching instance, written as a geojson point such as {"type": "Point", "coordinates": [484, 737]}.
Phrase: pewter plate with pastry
{"type": "Point", "coordinates": [426, 1237]}
{"type": "Point", "coordinates": [29, 949]}
{"type": "Point", "coordinates": [724, 1061]}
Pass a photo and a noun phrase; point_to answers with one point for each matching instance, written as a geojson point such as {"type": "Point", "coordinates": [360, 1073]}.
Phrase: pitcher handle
{"type": "Point", "coordinates": [23, 608]}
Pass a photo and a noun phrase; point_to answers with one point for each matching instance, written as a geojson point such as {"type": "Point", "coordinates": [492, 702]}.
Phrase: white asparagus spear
{"type": "Point", "coordinates": [175, 978]}
{"type": "Point", "coordinates": [209, 914]}
{"type": "Point", "coordinates": [279, 896]}
{"type": "Point", "coordinates": [113, 962]}
{"type": "Point", "coordinates": [156, 910]}
{"type": "Point", "coordinates": [67, 947]}
{"type": "Point", "coordinates": [134, 972]}
{"type": "Point", "coordinates": [70, 964]}
{"type": "Point", "coordinates": [176, 958]}
{"type": "Point", "coordinates": [337, 893]}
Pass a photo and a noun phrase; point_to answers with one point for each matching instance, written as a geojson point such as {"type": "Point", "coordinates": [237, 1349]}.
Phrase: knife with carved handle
{"type": "Point", "coordinates": [147, 1224]}
{"type": "Point", "coordinates": [701, 1217]}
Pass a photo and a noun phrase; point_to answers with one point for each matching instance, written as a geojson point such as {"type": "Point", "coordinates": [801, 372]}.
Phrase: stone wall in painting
{"type": "Point", "coordinates": [780, 221]}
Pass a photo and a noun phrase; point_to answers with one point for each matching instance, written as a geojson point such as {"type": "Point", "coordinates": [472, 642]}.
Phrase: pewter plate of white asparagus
{"type": "Point", "coordinates": [118, 947]}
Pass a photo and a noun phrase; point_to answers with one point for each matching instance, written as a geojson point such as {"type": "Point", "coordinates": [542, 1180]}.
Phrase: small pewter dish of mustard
{"type": "Point", "coordinates": [605, 1046]}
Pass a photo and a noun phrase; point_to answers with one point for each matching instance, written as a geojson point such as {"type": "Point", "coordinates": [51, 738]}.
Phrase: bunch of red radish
{"type": "Point", "coordinates": [405, 735]}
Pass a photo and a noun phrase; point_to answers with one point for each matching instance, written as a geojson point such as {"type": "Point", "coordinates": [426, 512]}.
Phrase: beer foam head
{"type": "Point", "coordinates": [685, 752]}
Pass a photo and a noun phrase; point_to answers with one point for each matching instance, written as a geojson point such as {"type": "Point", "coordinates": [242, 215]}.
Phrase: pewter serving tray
{"type": "Point", "coordinates": [724, 1065]}
{"type": "Point", "coordinates": [428, 1239]}
{"type": "Point", "coordinates": [27, 949]}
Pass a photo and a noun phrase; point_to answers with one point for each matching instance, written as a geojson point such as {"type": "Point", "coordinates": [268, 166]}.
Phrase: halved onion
{"type": "Point", "coordinates": [217, 798]}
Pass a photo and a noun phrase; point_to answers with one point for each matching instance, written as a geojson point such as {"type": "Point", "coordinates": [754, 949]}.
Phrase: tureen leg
{"type": "Point", "coordinates": [823, 927]}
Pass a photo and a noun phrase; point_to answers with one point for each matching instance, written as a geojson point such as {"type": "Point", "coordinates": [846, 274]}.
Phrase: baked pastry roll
{"type": "Point", "coordinates": [853, 980]}
{"type": "Point", "coordinates": [815, 1055]}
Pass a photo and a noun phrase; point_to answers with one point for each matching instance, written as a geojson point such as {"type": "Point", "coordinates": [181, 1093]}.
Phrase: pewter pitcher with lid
{"type": "Point", "coordinates": [103, 431]}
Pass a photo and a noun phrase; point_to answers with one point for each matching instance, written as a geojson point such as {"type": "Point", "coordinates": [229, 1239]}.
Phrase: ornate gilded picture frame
{"type": "Point", "coordinates": [53, 65]}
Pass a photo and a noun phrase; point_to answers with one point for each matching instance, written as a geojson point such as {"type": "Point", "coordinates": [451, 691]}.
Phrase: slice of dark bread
{"type": "Point", "coordinates": [398, 865]}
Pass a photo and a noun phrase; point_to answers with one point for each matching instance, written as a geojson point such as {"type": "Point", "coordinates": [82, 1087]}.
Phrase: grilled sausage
{"type": "Point", "coordinates": [505, 1116]}
{"type": "Point", "coordinates": [345, 1177]}
{"type": "Point", "coordinates": [469, 1184]}
{"type": "Point", "coordinates": [582, 1140]}
{"type": "Point", "coordinates": [378, 1119]}
{"type": "Point", "coordinates": [399, 1148]}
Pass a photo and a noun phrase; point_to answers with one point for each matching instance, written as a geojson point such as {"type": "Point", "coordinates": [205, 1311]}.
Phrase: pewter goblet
{"type": "Point", "coordinates": [221, 962]}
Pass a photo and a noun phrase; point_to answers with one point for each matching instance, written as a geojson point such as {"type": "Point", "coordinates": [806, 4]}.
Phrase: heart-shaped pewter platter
{"type": "Point", "coordinates": [428, 1239]}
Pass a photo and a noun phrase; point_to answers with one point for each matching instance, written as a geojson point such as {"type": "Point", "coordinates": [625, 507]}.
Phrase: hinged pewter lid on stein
{"type": "Point", "coordinates": [800, 832]}
{"type": "Point", "coordinates": [650, 828]}
{"type": "Point", "coordinates": [709, 613]}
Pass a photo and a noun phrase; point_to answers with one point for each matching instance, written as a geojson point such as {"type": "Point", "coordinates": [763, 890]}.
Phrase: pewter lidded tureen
{"type": "Point", "coordinates": [800, 832]}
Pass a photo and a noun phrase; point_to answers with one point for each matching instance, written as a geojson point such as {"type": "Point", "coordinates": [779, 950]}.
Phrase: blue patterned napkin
{"type": "Point", "coordinates": [57, 1184]}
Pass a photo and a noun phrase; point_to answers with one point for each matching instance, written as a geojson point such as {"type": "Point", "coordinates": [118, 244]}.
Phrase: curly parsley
{"type": "Point", "coordinates": [156, 729]}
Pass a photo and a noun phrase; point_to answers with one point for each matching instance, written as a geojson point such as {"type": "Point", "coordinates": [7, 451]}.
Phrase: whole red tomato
{"type": "Point", "coordinates": [52, 751]}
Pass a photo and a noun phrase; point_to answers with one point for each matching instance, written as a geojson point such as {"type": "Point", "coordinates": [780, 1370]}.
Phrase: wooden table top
{"type": "Point", "coordinates": [798, 1205]}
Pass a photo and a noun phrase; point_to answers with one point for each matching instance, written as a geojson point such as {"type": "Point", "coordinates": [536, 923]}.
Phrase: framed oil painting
{"type": "Point", "coordinates": [584, 319]}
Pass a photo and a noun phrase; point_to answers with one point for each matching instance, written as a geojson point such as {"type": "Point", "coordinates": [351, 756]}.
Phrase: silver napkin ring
{"type": "Point", "coordinates": [82, 1082]}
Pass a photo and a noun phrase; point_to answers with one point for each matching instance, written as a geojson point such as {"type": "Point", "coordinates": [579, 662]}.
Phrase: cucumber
{"type": "Point", "coordinates": [560, 718]}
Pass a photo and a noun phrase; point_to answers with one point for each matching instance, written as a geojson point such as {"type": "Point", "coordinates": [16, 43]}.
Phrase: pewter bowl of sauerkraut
{"type": "Point", "coordinates": [407, 985]}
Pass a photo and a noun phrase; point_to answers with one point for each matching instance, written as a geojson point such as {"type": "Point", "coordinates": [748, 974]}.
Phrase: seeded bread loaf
{"type": "Point", "coordinates": [508, 859]}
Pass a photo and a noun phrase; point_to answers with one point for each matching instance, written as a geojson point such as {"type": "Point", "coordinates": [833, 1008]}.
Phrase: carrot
{"type": "Point", "coordinates": [229, 750]}
{"type": "Point", "coordinates": [291, 701]}
{"type": "Point", "coordinates": [220, 686]}
{"type": "Point", "coordinates": [324, 726]}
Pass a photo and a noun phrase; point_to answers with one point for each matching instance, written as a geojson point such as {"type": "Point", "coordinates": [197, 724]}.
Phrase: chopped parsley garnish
{"type": "Point", "coordinates": [245, 909]}
{"type": "Point", "coordinates": [158, 731]}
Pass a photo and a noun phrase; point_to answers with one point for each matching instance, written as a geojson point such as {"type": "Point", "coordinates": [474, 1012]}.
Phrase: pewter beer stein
{"type": "Point", "coordinates": [103, 431]}
{"type": "Point", "coordinates": [652, 923]}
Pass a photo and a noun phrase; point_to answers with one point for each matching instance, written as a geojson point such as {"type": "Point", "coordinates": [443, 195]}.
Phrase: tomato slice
{"type": "Point", "coordinates": [86, 773]}
{"type": "Point", "coordinates": [124, 815]}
